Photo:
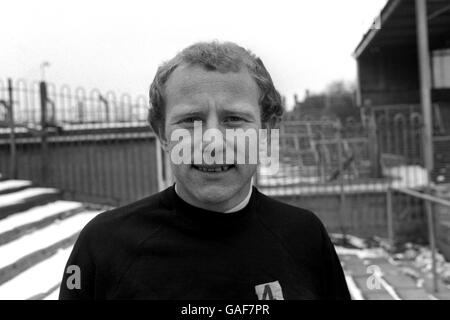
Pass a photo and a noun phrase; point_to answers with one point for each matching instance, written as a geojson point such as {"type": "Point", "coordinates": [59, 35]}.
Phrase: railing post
{"type": "Point", "coordinates": [43, 134]}
{"type": "Point", "coordinates": [12, 135]}
{"type": "Point", "coordinates": [342, 200]}
{"type": "Point", "coordinates": [425, 83]}
{"type": "Point", "coordinates": [390, 218]}
{"type": "Point", "coordinates": [432, 241]}
{"type": "Point", "coordinates": [423, 50]}
{"type": "Point", "coordinates": [374, 152]}
{"type": "Point", "coordinates": [428, 199]}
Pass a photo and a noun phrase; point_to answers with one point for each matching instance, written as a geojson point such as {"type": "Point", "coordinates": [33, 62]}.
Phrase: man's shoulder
{"type": "Point", "coordinates": [280, 212]}
{"type": "Point", "coordinates": [295, 226]}
{"type": "Point", "coordinates": [127, 221]}
{"type": "Point", "coordinates": [128, 211]}
{"type": "Point", "coordinates": [299, 229]}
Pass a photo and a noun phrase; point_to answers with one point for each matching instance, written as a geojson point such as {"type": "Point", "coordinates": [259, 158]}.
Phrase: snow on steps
{"type": "Point", "coordinates": [11, 252]}
{"type": "Point", "coordinates": [37, 280]}
{"type": "Point", "coordinates": [9, 186]}
{"type": "Point", "coordinates": [17, 201]}
{"type": "Point", "coordinates": [19, 224]}
{"type": "Point", "coordinates": [37, 233]}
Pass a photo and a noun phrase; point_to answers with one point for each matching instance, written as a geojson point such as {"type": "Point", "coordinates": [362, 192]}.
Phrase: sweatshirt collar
{"type": "Point", "coordinates": [237, 207]}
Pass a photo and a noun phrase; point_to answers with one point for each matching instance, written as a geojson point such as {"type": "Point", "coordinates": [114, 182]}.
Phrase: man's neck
{"type": "Point", "coordinates": [228, 208]}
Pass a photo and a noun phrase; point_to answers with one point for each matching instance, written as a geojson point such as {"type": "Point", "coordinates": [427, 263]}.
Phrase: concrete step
{"type": "Point", "coordinates": [378, 295]}
{"type": "Point", "coordinates": [413, 294]}
{"type": "Point", "coordinates": [25, 222]}
{"type": "Point", "coordinates": [54, 295]}
{"type": "Point", "coordinates": [37, 234]}
{"type": "Point", "coordinates": [393, 283]}
{"type": "Point", "coordinates": [14, 202]}
{"type": "Point", "coordinates": [25, 252]}
{"type": "Point", "coordinates": [8, 186]}
{"type": "Point", "coordinates": [45, 277]}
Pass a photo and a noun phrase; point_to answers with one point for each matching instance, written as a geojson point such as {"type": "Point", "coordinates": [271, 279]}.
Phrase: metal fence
{"type": "Point", "coordinates": [94, 146]}
{"type": "Point", "coordinates": [433, 224]}
{"type": "Point", "coordinates": [64, 105]}
{"type": "Point", "coordinates": [342, 171]}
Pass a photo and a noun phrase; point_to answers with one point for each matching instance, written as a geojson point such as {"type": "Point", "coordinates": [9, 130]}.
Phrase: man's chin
{"type": "Point", "coordinates": [215, 193]}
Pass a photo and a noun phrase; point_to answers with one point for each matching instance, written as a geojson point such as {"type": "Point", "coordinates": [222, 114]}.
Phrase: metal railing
{"type": "Point", "coordinates": [431, 222]}
{"type": "Point", "coordinates": [94, 146]}
{"type": "Point", "coordinates": [331, 168]}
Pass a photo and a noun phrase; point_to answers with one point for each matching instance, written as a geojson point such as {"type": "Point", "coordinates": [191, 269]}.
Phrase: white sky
{"type": "Point", "coordinates": [119, 44]}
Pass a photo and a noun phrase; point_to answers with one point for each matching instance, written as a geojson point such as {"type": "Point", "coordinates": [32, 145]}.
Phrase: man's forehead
{"type": "Point", "coordinates": [194, 80]}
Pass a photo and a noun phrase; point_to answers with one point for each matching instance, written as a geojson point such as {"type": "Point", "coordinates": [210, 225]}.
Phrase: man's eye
{"type": "Point", "coordinates": [233, 119]}
{"type": "Point", "coordinates": [190, 120]}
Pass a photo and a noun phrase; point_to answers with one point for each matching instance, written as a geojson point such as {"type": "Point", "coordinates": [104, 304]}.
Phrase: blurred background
{"type": "Point", "coordinates": [364, 143]}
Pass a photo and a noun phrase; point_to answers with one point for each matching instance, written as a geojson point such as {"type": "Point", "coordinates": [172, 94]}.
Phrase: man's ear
{"type": "Point", "coordinates": [164, 143]}
{"type": "Point", "coordinates": [162, 138]}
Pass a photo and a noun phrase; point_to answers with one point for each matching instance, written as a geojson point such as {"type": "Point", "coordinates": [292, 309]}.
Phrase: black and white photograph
{"type": "Point", "coordinates": [227, 151]}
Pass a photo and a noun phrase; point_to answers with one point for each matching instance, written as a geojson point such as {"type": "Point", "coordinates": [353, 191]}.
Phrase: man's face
{"type": "Point", "coordinates": [220, 101]}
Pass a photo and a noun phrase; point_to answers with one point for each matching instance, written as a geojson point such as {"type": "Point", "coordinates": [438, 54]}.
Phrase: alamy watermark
{"type": "Point", "coordinates": [374, 280]}
{"type": "Point", "coordinates": [237, 146]}
{"type": "Point", "coordinates": [74, 279]}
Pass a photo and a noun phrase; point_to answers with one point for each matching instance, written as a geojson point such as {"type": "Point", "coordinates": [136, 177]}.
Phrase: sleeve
{"type": "Point", "coordinates": [334, 284]}
{"type": "Point", "coordinates": [79, 273]}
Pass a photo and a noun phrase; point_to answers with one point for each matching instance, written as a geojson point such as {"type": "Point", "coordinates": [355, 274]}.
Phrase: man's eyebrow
{"type": "Point", "coordinates": [187, 111]}
{"type": "Point", "coordinates": [241, 109]}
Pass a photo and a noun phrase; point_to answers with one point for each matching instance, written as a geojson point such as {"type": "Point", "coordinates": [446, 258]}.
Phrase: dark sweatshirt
{"type": "Point", "coordinates": [161, 247]}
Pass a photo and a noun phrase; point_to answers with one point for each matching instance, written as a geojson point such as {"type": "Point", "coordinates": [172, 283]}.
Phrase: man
{"type": "Point", "coordinates": [211, 235]}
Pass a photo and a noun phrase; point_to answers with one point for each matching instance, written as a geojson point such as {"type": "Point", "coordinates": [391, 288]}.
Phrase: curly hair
{"type": "Point", "coordinates": [221, 57]}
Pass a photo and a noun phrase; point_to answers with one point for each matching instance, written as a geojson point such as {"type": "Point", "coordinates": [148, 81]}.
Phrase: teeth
{"type": "Point", "coordinates": [216, 169]}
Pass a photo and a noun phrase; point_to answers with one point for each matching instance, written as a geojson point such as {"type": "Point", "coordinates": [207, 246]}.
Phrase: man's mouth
{"type": "Point", "coordinates": [213, 168]}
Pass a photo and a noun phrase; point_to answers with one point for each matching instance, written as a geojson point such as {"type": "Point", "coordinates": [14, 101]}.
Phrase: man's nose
{"type": "Point", "coordinates": [212, 122]}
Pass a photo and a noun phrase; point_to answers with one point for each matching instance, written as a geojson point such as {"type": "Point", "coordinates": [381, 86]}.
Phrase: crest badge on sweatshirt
{"type": "Point", "coordinates": [269, 291]}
